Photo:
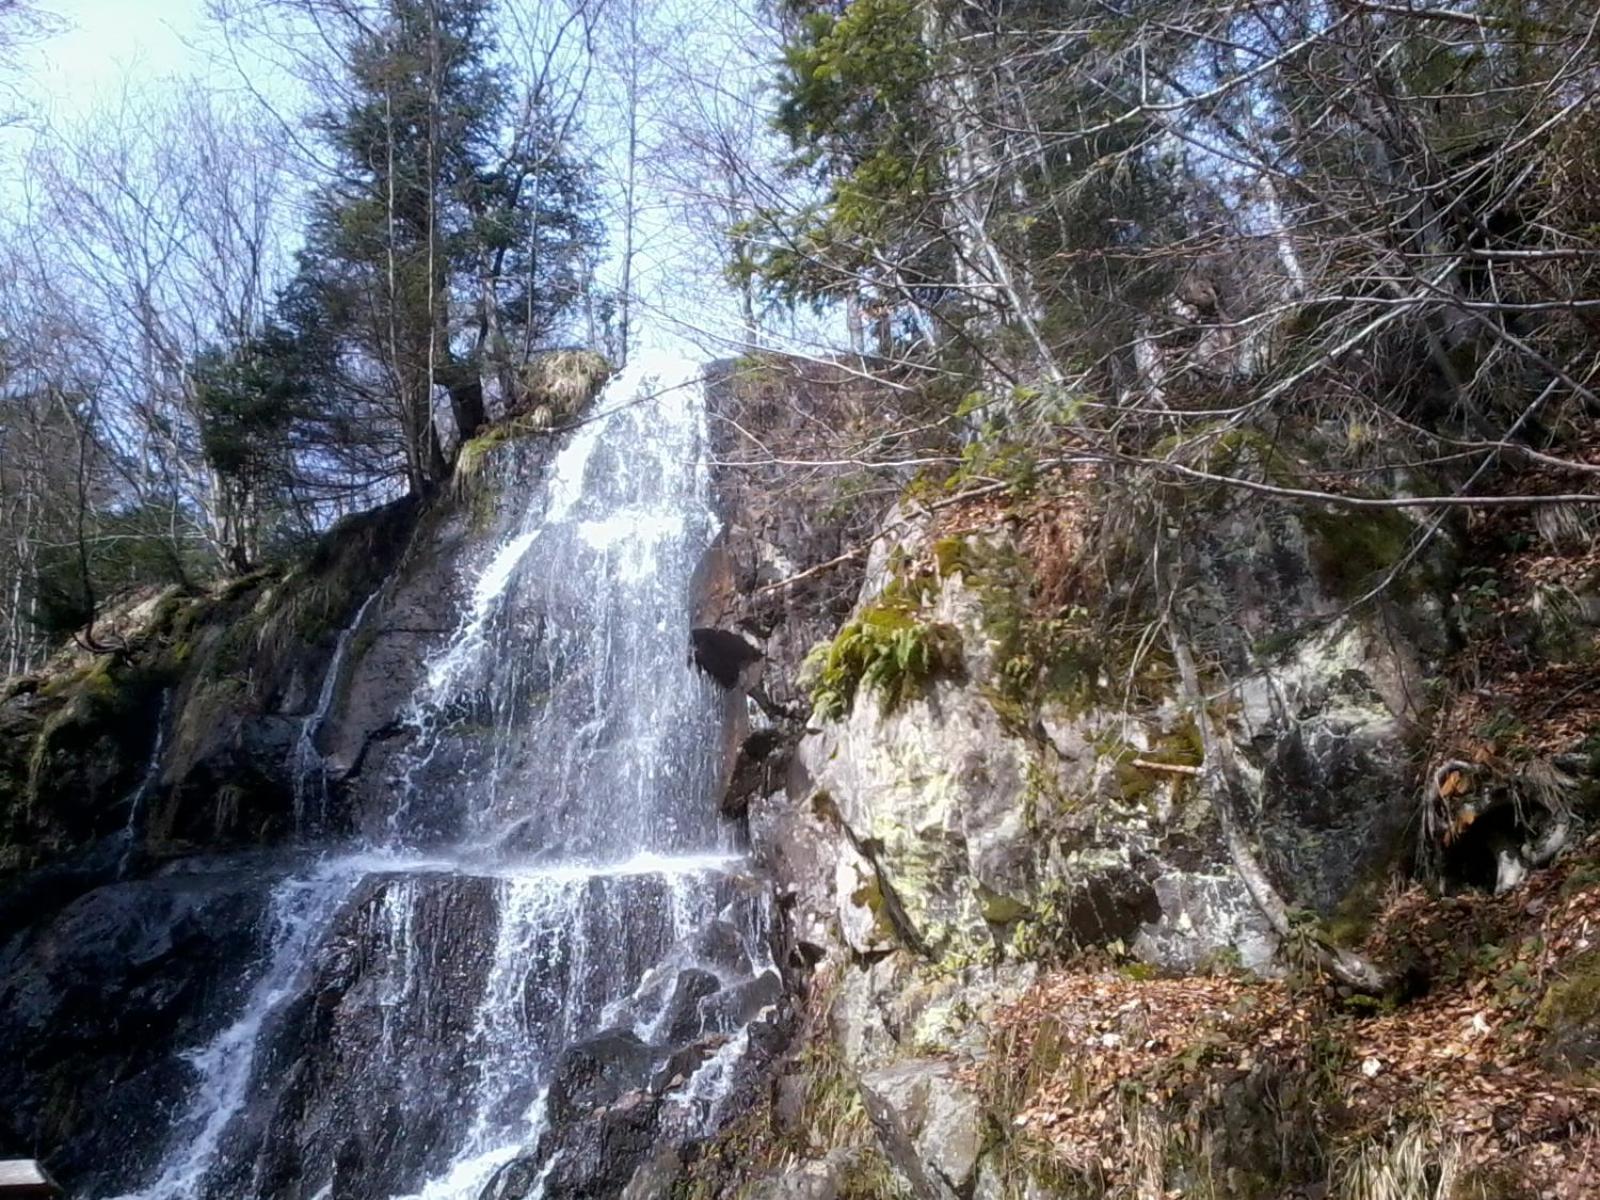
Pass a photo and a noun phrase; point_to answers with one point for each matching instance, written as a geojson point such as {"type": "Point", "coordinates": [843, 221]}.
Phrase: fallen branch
{"type": "Point", "coordinates": [1173, 768]}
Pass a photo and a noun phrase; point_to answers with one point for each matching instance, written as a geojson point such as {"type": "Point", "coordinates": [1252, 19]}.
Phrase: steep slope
{"type": "Point", "coordinates": [1115, 840]}
{"type": "Point", "coordinates": [1149, 845]}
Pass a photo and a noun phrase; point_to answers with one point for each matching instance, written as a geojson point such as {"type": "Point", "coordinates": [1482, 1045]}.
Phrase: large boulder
{"type": "Point", "coordinates": [929, 1123]}
{"type": "Point", "coordinates": [962, 821]}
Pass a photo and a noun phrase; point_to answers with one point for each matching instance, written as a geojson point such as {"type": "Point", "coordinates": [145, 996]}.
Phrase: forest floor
{"type": "Point", "coordinates": [1491, 1074]}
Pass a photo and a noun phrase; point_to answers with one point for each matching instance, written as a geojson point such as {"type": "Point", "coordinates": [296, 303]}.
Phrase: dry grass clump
{"type": "Point", "coordinates": [559, 384]}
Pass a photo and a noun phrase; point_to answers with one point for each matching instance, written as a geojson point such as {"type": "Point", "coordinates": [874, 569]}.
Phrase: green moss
{"type": "Point", "coordinates": [110, 700]}
{"type": "Point", "coordinates": [993, 457]}
{"type": "Point", "coordinates": [66, 683]}
{"type": "Point", "coordinates": [1583, 877]}
{"type": "Point", "coordinates": [1042, 797]}
{"type": "Point", "coordinates": [235, 647]}
{"type": "Point", "coordinates": [1352, 548]}
{"type": "Point", "coordinates": [1016, 715]}
{"type": "Point", "coordinates": [1057, 658]}
{"type": "Point", "coordinates": [475, 454]}
{"type": "Point", "coordinates": [998, 909]}
{"type": "Point", "coordinates": [870, 896]}
{"type": "Point", "coordinates": [952, 556]}
{"type": "Point", "coordinates": [1044, 935]}
{"type": "Point", "coordinates": [1241, 451]}
{"type": "Point", "coordinates": [245, 584]}
{"type": "Point", "coordinates": [1182, 747]}
{"type": "Point", "coordinates": [1235, 451]}
{"type": "Point", "coordinates": [1569, 1015]}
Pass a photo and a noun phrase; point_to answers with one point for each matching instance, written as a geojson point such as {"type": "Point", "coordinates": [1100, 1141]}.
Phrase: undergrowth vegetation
{"type": "Point", "coordinates": [890, 649]}
{"type": "Point", "coordinates": [1113, 1084]}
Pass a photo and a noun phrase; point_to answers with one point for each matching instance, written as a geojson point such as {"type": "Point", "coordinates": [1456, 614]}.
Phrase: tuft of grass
{"type": "Point", "coordinates": [563, 382]}
{"type": "Point", "coordinates": [1417, 1162]}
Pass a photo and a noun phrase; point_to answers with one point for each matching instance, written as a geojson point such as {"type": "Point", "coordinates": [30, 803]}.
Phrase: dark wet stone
{"type": "Point", "coordinates": [596, 1156]}
{"type": "Point", "coordinates": [736, 1006]}
{"type": "Point", "coordinates": [718, 946]}
{"type": "Point", "coordinates": [725, 656]}
{"type": "Point", "coordinates": [92, 1003]}
{"type": "Point", "coordinates": [595, 1072]}
{"type": "Point", "coordinates": [682, 1020]}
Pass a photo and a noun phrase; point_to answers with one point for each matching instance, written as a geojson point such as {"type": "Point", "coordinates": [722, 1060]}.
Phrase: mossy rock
{"type": "Point", "coordinates": [1351, 549]}
{"type": "Point", "coordinates": [561, 383]}
{"type": "Point", "coordinates": [890, 649]}
{"type": "Point", "coordinates": [72, 756]}
{"type": "Point", "coordinates": [1569, 1017]}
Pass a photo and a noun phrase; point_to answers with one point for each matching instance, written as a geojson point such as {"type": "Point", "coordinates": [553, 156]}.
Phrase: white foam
{"type": "Point", "coordinates": [446, 669]}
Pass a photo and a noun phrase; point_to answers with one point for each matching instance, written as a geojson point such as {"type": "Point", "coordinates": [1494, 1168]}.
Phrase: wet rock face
{"type": "Point", "coordinates": [596, 1072]}
{"type": "Point", "coordinates": [370, 1055]}
{"type": "Point", "coordinates": [222, 680]}
{"type": "Point", "coordinates": [365, 1027]}
{"type": "Point", "coordinates": [725, 656]}
{"type": "Point", "coordinates": [92, 1000]}
{"type": "Point", "coordinates": [623, 1112]}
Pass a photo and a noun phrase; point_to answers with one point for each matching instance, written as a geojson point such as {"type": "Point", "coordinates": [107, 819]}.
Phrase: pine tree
{"type": "Point", "coordinates": [435, 241]}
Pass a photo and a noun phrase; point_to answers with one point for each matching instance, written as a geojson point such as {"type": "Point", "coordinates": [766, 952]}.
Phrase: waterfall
{"type": "Point", "coordinates": [147, 784]}
{"type": "Point", "coordinates": [550, 864]}
{"type": "Point", "coordinates": [306, 764]}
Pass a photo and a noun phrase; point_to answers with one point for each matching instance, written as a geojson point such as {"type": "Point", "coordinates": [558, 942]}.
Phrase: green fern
{"type": "Point", "coordinates": [889, 650]}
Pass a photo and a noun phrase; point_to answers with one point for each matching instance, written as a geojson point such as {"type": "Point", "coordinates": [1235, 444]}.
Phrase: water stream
{"type": "Point", "coordinates": [550, 864]}
{"type": "Point", "coordinates": [307, 766]}
{"type": "Point", "coordinates": [146, 785]}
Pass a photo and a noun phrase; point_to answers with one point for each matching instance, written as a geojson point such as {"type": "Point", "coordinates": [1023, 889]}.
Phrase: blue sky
{"type": "Point", "coordinates": [107, 43]}
{"type": "Point", "coordinates": [106, 47]}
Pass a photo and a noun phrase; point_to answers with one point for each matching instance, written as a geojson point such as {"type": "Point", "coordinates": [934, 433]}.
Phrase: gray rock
{"type": "Point", "coordinates": [930, 1126]}
{"type": "Point", "coordinates": [1205, 917]}
{"type": "Point", "coordinates": [936, 789]}
{"type": "Point", "coordinates": [654, 1180]}
{"type": "Point", "coordinates": [818, 1179]}
{"type": "Point", "coordinates": [789, 1096]}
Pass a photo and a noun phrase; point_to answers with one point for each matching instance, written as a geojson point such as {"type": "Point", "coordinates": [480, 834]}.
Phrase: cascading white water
{"type": "Point", "coordinates": [307, 767]}
{"type": "Point", "coordinates": [573, 654]}
{"type": "Point", "coordinates": [551, 863]}
{"type": "Point", "coordinates": [299, 913]}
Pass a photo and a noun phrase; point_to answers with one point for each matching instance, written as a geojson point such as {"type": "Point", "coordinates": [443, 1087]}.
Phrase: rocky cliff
{"type": "Point", "coordinates": [1125, 842]}
{"type": "Point", "coordinates": [1138, 841]}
